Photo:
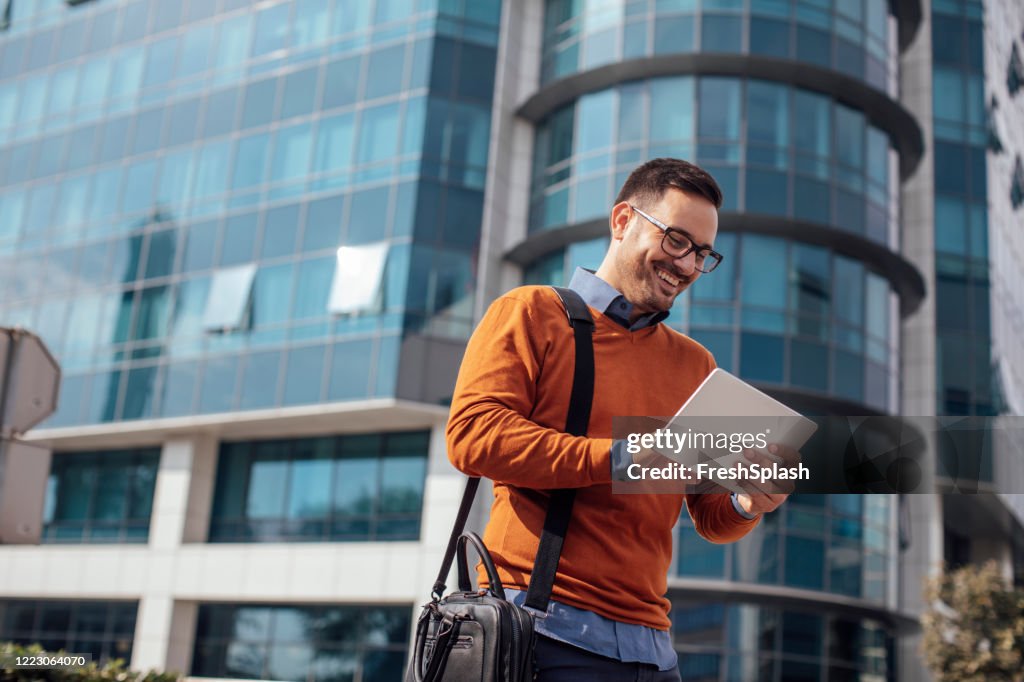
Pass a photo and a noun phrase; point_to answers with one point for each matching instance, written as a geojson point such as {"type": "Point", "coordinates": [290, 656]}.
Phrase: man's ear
{"type": "Point", "coordinates": [621, 214]}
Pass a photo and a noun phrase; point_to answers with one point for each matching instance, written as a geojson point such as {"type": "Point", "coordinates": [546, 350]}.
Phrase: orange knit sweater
{"type": "Point", "coordinates": [506, 423]}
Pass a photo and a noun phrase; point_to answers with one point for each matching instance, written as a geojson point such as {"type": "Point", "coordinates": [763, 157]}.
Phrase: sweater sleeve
{"type": "Point", "coordinates": [489, 431]}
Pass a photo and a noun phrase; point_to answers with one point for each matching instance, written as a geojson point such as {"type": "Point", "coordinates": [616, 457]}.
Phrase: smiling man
{"type": "Point", "coordinates": [608, 618]}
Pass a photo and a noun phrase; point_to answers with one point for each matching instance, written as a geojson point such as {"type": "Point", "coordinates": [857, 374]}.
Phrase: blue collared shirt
{"type": "Point", "coordinates": [625, 642]}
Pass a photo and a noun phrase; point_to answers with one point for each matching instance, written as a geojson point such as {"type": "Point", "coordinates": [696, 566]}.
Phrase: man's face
{"type": "Point", "coordinates": [649, 277]}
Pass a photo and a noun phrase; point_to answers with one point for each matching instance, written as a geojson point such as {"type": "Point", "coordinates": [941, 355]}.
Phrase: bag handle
{"type": "Point", "coordinates": [447, 636]}
{"type": "Point", "coordinates": [465, 584]}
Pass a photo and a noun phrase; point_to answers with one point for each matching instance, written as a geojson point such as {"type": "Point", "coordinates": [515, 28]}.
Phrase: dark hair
{"type": "Point", "coordinates": [648, 182]}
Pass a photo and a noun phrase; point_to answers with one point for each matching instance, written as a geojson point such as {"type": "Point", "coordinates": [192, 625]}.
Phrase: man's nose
{"type": "Point", "coordinates": [686, 264]}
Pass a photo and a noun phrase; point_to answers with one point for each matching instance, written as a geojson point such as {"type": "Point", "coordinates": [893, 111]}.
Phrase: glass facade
{"type": "Point", "coordinates": [854, 37]}
{"type": "Point", "coordinates": [345, 488]}
{"type": "Point", "coordinates": [774, 149]}
{"type": "Point", "coordinates": [311, 643]}
{"type": "Point", "coordinates": [779, 312]}
{"type": "Point", "coordinates": [104, 629]}
{"type": "Point", "coordinates": [831, 543]}
{"type": "Point", "coordinates": [151, 150]}
{"type": "Point", "coordinates": [100, 497]}
{"type": "Point", "coordinates": [745, 641]}
{"type": "Point", "coordinates": [962, 287]}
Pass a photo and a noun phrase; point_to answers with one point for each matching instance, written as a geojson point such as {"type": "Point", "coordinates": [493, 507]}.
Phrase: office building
{"type": "Point", "coordinates": [257, 235]}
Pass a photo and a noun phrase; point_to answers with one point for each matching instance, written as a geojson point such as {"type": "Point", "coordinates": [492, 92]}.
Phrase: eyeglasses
{"type": "Point", "coordinates": [678, 244]}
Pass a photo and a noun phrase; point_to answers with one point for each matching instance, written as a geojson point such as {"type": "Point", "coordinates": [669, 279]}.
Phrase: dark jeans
{"type": "Point", "coordinates": [560, 662]}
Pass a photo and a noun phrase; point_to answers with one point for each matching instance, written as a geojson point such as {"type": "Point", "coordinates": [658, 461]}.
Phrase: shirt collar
{"type": "Point", "coordinates": [602, 296]}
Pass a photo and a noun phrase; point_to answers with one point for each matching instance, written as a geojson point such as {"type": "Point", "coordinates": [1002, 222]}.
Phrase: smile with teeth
{"type": "Point", "coordinates": [664, 276]}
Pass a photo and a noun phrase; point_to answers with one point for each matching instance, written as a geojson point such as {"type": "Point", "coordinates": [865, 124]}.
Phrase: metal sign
{"type": "Point", "coordinates": [29, 381]}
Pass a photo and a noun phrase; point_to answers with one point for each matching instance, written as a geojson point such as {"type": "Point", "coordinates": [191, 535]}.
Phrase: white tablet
{"type": "Point", "coordinates": [725, 406]}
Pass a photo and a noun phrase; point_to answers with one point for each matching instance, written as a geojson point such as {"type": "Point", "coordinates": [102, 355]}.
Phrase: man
{"type": "Point", "coordinates": [608, 618]}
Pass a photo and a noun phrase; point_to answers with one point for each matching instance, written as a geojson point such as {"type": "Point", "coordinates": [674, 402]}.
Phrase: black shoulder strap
{"type": "Point", "coordinates": [556, 523]}
{"type": "Point", "coordinates": [560, 506]}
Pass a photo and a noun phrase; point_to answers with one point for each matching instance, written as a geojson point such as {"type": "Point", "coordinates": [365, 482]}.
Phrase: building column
{"type": "Point", "coordinates": [182, 500]}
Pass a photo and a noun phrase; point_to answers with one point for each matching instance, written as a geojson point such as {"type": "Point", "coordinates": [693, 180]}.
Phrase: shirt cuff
{"type": "Point", "coordinates": [735, 505]}
{"type": "Point", "coordinates": [620, 461]}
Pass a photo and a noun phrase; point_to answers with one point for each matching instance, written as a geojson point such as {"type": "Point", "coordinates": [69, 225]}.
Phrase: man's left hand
{"type": "Point", "coordinates": [760, 500]}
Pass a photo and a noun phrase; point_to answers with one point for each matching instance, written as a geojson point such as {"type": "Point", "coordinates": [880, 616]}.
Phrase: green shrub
{"type": "Point", "coordinates": [111, 671]}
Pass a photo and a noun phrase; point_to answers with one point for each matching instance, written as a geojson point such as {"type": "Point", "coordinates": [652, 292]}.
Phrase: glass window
{"type": "Point", "coordinates": [763, 271]}
{"type": "Point", "coordinates": [721, 33]}
{"type": "Point", "coordinates": [239, 240]}
{"type": "Point", "coordinates": [810, 365]}
{"type": "Point", "coordinates": [384, 72]}
{"type": "Point", "coordinates": [671, 108]}
{"type": "Point", "coordinates": [810, 281]}
{"type": "Point", "coordinates": [258, 108]}
{"type": "Point", "coordinates": [850, 129]}
{"type": "Point", "coordinates": [808, 571]}
{"type": "Point", "coordinates": [849, 290]}
{"type": "Point", "coordinates": [342, 82]}
{"type": "Point", "coordinates": [271, 295]}
{"type": "Point", "coordinates": [374, 651]}
{"type": "Point", "coordinates": [212, 169]}
{"type": "Point", "coordinates": [139, 184]}
{"type": "Point", "coordinates": [251, 160]}
{"type": "Point", "coordinates": [357, 278]}
{"type": "Point", "coordinates": [151, 319]}
{"type": "Point", "coordinates": [366, 218]}
{"type": "Point", "coordinates": [311, 22]}
{"type": "Point", "coordinates": [280, 230]}
{"type": "Point", "coordinates": [596, 118]}
{"type": "Point", "coordinates": [350, 370]}
{"type": "Point", "coordinates": [259, 383]}
{"type": "Point", "coordinates": [221, 108]}
{"type": "Point", "coordinates": [323, 223]}
{"type": "Point", "coordinates": [179, 389]}
{"type": "Point", "coordinates": [312, 287]}
{"type": "Point", "coordinates": [813, 133]}
{"type": "Point", "coordinates": [948, 94]}
{"type": "Point", "coordinates": [12, 208]}
{"type": "Point", "coordinates": [233, 39]}
{"type": "Point", "coordinates": [127, 76]}
{"type": "Point", "coordinates": [334, 143]}
{"type": "Point", "coordinates": [719, 100]}
{"type": "Point", "coordinates": [292, 151]}
{"type": "Point", "coordinates": [217, 393]}
{"type": "Point", "coordinates": [159, 62]}
{"type": "Point", "coordinates": [102, 628]}
{"type": "Point", "coordinates": [189, 305]}
{"type": "Point", "coordinates": [62, 91]}
{"type": "Point", "coordinates": [271, 29]}
{"type": "Point", "coordinates": [229, 297]}
{"type": "Point", "coordinates": [196, 50]}
{"type": "Point", "coordinates": [767, 192]}
{"type": "Point", "coordinates": [299, 93]}
{"type": "Point", "coordinates": [175, 183]}
{"type": "Point", "coordinates": [139, 396]}
{"type": "Point", "coordinates": [304, 375]}
{"type": "Point", "coordinates": [767, 114]}
{"type": "Point", "coordinates": [762, 357]}
{"type": "Point", "coordinates": [673, 34]}
{"type": "Point", "coordinates": [378, 135]}
{"type": "Point", "coordinates": [90, 494]}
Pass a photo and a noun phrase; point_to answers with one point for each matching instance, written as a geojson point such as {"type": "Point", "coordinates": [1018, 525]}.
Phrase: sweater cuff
{"type": "Point", "coordinates": [739, 509]}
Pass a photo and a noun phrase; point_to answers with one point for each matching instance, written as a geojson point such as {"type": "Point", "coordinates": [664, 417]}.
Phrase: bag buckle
{"type": "Point", "coordinates": [535, 612]}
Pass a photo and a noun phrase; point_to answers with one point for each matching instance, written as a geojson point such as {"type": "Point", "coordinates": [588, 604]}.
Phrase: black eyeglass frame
{"type": "Point", "coordinates": [703, 253]}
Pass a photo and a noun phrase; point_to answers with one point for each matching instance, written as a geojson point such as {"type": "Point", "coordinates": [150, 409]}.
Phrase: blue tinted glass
{"type": "Point", "coordinates": [334, 143]}
{"type": "Point", "coordinates": [40, 208]}
{"type": "Point", "coordinates": [763, 269]}
{"type": "Point", "coordinates": [769, 37]}
{"type": "Point", "coordinates": [251, 160]}
{"type": "Point", "coordinates": [105, 187]}
{"type": "Point", "coordinates": [139, 186]}
{"type": "Point", "coordinates": [468, 130]}
{"type": "Point", "coordinates": [323, 224]}
{"type": "Point", "coordinates": [721, 33]}
{"type": "Point", "coordinates": [221, 108]}
{"type": "Point", "coordinates": [850, 130]}
{"type": "Point", "coordinates": [160, 253]}
{"type": "Point", "coordinates": [366, 220]}
{"type": "Point", "coordinates": [671, 108]}
{"type": "Point", "coordinates": [350, 370]}
{"type": "Point", "coordinates": [673, 34]}
{"type": "Point", "coordinates": [62, 91]}
{"type": "Point", "coordinates": [148, 130]}
{"type": "Point", "coordinates": [299, 93]}
{"type": "Point", "coordinates": [384, 75]}
{"type": "Point", "coordinates": [217, 392]}
{"type": "Point", "coordinates": [767, 192]}
{"type": "Point", "coordinates": [378, 135]}
{"type": "Point", "coordinates": [175, 180]}
{"type": "Point", "coordinates": [280, 229]}
{"type": "Point", "coordinates": [233, 40]}
{"type": "Point", "coordinates": [292, 151]}
{"type": "Point", "coordinates": [212, 170]}
{"type": "Point", "coordinates": [312, 287]}
{"type": "Point", "coordinates": [196, 50]}
{"type": "Point", "coordinates": [719, 100]}
{"type": "Point", "coordinates": [761, 357]}
{"type": "Point", "coordinates": [200, 245]}
{"type": "Point", "coordinates": [701, 558]}
{"type": "Point", "coordinates": [813, 45]}
{"type": "Point", "coordinates": [259, 381]}
{"type": "Point", "coordinates": [127, 73]}
{"type": "Point", "coordinates": [849, 376]}
{"type": "Point", "coordinates": [239, 239]}
{"type": "Point", "coordinates": [12, 208]}
{"type": "Point", "coordinates": [138, 403]}
{"type": "Point", "coordinates": [178, 389]}
{"type": "Point", "coordinates": [189, 305]}
{"type": "Point", "coordinates": [849, 289]}
{"type": "Point", "coordinates": [271, 29]}
{"type": "Point", "coordinates": [809, 368]}
{"type": "Point", "coordinates": [305, 372]}
{"type": "Point", "coordinates": [159, 62]}
{"type": "Point", "coordinates": [596, 119]}
{"type": "Point", "coordinates": [33, 95]}
{"type": "Point", "coordinates": [311, 22]}
{"type": "Point", "coordinates": [271, 295]}
{"type": "Point", "coordinates": [809, 571]}
{"type": "Point", "coordinates": [115, 135]}
{"type": "Point", "coordinates": [258, 108]}
{"type": "Point", "coordinates": [342, 83]}
{"type": "Point", "coordinates": [948, 94]}
{"type": "Point", "coordinates": [182, 119]}
{"type": "Point", "coordinates": [767, 113]}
